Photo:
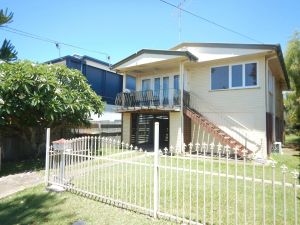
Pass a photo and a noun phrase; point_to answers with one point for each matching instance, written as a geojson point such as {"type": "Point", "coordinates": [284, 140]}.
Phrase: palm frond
{"type": "Point", "coordinates": [8, 52]}
{"type": "Point", "coordinates": [5, 17]}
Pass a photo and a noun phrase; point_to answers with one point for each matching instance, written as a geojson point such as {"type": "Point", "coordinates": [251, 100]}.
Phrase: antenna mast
{"type": "Point", "coordinates": [179, 18]}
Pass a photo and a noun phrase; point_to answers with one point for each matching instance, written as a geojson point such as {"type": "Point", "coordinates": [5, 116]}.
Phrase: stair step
{"type": "Point", "coordinates": [217, 132]}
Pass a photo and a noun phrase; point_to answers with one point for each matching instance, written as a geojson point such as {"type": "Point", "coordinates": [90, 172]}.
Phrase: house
{"type": "Point", "coordinates": [230, 92]}
{"type": "Point", "coordinates": [105, 82]}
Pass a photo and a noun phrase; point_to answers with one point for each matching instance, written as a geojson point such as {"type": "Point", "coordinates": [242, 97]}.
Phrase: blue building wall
{"type": "Point", "coordinates": [104, 83]}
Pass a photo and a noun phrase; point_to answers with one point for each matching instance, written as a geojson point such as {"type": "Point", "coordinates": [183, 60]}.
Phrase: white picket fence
{"type": "Point", "coordinates": [208, 184]}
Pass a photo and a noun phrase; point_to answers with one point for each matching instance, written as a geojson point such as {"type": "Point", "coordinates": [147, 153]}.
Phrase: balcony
{"type": "Point", "coordinates": [165, 99]}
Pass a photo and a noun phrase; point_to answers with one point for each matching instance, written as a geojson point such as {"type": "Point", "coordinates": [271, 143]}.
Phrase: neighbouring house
{"type": "Point", "coordinates": [230, 92]}
{"type": "Point", "coordinates": [106, 83]}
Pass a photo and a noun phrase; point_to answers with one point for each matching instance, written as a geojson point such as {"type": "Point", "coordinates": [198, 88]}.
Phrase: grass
{"type": "Point", "coordinates": [292, 139]}
{"type": "Point", "coordinates": [37, 206]}
{"type": "Point", "coordinates": [134, 184]}
{"type": "Point", "coordinates": [14, 167]}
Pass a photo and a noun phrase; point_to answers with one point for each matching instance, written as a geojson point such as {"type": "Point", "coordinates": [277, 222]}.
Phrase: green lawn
{"type": "Point", "coordinates": [134, 184]}
{"type": "Point", "coordinates": [37, 206]}
{"type": "Point", "coordinates": [292, 139]}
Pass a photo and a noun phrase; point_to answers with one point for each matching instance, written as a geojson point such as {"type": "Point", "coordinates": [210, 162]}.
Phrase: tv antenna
{"type": "Point", "coordinates": [179, 18]}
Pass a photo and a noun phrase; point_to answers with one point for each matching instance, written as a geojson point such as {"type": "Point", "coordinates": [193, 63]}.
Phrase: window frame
{"type": "Point", "coordinates": [211, 77]}
{"type": "Point", "coordinates": [230, 87]}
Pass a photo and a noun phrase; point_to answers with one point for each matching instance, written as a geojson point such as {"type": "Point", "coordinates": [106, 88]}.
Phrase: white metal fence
{"type": "Point", "coordinates": [208, 184]}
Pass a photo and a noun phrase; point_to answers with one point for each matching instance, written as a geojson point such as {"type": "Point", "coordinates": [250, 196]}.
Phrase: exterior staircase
{"type": "Point", "coordinates": [220, 135]}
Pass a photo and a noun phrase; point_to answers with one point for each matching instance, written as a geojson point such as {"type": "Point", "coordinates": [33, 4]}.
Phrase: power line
{"type": "Point", "coordinates": [212, 22]}
{"type": "Point", "coordinates": [45, 39]}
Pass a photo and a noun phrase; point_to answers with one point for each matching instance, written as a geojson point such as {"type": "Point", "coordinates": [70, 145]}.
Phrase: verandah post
{"type": "Point", "coordinates": [156, 170]}
{"type": "Point", "coordinates": [47, 156]}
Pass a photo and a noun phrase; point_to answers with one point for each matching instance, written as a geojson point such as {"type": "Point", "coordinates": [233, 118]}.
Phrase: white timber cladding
{"type": "Point", "coordinates": [126, 126]}
{"type": "Point", "coordinates": [243, 108]}
{"type": "Point", "coordinates": [175, 138]}
{"type": "Point", "coordinates": [208, 53]}
{"type": "Point", "coordinates": [147, 58]}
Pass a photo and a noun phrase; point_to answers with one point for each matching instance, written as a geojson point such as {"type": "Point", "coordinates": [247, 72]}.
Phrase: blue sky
{"type": "Point", "coordinates": [121, 28]}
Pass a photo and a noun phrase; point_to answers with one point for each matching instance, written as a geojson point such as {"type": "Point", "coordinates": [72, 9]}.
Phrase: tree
{"type": "Point", "coordinates": [5, 17]}
{"type": "Point", "coordinates": [36, 96]}
{"type": "Point", "coordinates": [7, 50]}
{"type": "Point", "coordinates": [292, 59]}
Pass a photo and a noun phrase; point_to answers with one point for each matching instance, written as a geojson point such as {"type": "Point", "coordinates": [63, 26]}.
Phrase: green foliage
{"type": "Point", "coordinates": [45, 95]}
{"type": "Point", "coordinates": [36, 96]}
{"type": "Point", "coordinates": [8, 52]}
{"type": "Point", "coordinates": [5, 17]}
{"type": "Point", "coordinates": [292, 59]}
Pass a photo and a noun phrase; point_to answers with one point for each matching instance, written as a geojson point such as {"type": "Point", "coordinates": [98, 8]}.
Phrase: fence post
{"type": "Point", "coordinates": [62, 164]}
{"type": "Point", "coordinates": [47, 156]}
{"type": "Point", "coordinates": [156, 170]}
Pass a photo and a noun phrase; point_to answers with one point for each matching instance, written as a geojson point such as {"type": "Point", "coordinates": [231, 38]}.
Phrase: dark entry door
{"type": "Point", "coordinates": [269, 120]}
{"type": "Point", "coordinates": [142, 132]}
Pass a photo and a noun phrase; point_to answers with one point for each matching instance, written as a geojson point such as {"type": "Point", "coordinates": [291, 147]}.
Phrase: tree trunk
{"type": "Point", "coordinates": [35, 138]}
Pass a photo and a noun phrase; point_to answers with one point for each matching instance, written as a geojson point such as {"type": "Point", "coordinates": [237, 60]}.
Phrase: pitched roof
{"type": "Point", "coordinates": [81, 58]}
{"type": "Point", "coordinates": [159, 52]}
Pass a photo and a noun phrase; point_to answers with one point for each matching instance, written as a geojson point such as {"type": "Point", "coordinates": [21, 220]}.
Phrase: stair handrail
{"type": "Point", "coordinates": [194, 103]}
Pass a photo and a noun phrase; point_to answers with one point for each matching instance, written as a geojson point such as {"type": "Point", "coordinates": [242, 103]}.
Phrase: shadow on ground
{"type": "Point", "coordinates": [29, 209]}
{"type": "Point", "coordinates": [14, 167]}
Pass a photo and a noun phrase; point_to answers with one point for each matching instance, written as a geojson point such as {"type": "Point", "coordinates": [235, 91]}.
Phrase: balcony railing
{"type": "Point", "coordinates": [165, 98]}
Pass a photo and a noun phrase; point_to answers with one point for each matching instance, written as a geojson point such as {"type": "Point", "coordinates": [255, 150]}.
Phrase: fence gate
{"type": "Point", "coordinates": [207, 184]}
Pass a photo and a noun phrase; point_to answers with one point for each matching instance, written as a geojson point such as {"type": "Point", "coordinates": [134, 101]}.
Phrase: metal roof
{"type": "Point", "coordinates": [80, 58]}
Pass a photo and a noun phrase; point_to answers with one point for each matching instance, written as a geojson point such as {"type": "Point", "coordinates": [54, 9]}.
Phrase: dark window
{"type": "Point", "coordinates": [237, 76]}
{"type": "Point", "coordinates": [146, 85]}
{"type": "Point", "coordinates": [176, 82]}
{"type": "Point", "coordinates": [157, 87]}
{"type": "Point", "coordinates": [130, 83]}
{"type": "Point", "coordinates": [220, 77]}
{"type": "Point", "coordinates": [251, 74]}
{"type": "Point", "coordinates": [156, 84]}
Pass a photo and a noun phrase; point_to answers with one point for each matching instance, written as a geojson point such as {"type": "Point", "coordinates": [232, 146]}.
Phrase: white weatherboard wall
{"type": "Point", "coordinates": [175, 138]}
{"type": "Point", "coordinates": [244, 106]}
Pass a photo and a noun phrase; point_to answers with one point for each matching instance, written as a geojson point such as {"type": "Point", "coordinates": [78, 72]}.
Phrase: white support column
{"type": "Point", "coordinates": [124, 82]}
{"type": "Point", "coordinates": [274, 107]}
{"type": "Point", "coordinates": [47, 156]}
{"type": "Point", "coordinates": [156, 170]}
{"type": "Point", "coordinates": [181, 77]}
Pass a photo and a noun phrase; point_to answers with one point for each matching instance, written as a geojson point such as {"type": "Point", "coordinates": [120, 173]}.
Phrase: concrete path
{"type": "Point", "coordinates": [13, 183]}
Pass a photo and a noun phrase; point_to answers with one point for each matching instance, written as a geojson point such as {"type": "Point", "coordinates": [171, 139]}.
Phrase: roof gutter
{"type": "Point", "coordinates": [281, 60]}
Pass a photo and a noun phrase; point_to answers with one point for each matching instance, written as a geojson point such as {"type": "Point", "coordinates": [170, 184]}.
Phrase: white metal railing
{"type": "Point", "coordinates": [164, 98]}
{"type": "Point", "coordinates": [207, 184]}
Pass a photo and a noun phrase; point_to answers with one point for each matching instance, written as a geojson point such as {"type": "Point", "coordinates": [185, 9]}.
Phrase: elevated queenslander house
{"type": "Point", "coordinates": [230, 92]}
